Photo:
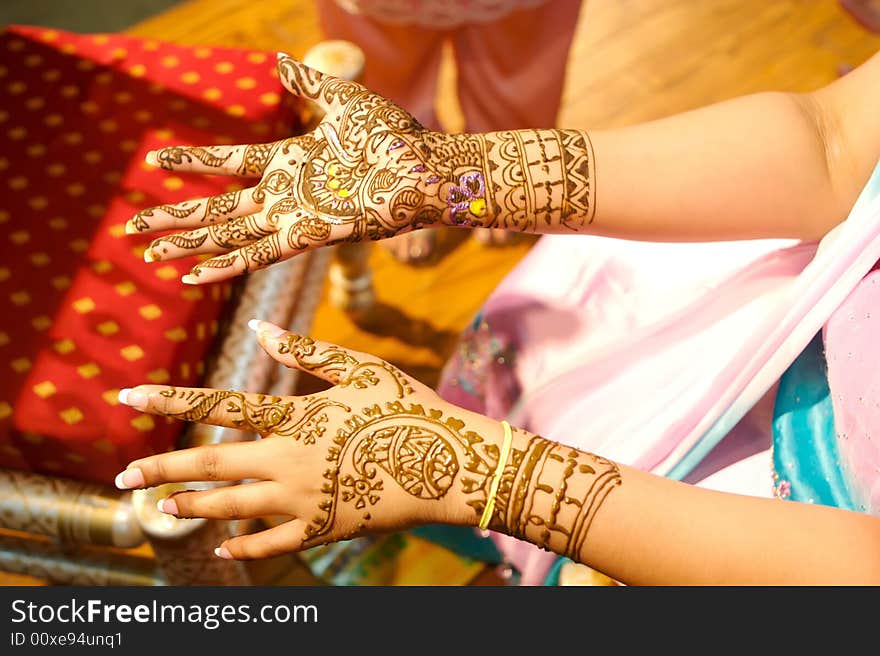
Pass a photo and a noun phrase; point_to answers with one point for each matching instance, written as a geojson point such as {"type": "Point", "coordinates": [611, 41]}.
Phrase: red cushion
{"type": "Point", "coordinates": [83, 315]}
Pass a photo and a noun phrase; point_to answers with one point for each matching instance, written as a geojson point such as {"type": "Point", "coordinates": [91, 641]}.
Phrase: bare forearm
{"type": "Point", "coordinates": [765, 165]}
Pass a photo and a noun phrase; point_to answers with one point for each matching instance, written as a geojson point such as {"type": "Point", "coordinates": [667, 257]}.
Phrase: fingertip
{"type": "Point", "coordinates": [223, 552]}
{"type": "Point", "coordinates": [129, 228]}
{"type": "Point", "coordinates": [152, 158]}
{"type": "Point", "coordinates": [189, 279]}
{"type": "Point", "coordinates": [281, 55]}
{"type": "Point", "coordinates": [150, 255]}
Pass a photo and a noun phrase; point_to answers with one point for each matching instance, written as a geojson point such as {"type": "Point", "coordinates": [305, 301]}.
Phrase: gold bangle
{"type": "Point", "coordinates": [496, 477]}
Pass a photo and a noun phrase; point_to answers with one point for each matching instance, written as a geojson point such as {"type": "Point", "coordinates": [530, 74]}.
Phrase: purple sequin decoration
{"type": "Point", "coordinates": [471, 186]}
{"type": "Point", "coordinates": [395, 145]}
{"type": "Point", "coordinates": [417, 169]}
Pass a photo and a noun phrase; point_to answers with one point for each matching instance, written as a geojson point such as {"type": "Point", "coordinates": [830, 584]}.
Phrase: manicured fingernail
{"type": "Point", "coordinates": [130, 478]}
{"type": "Point", "coordinates": [223, 552]}
{"type": "Point", "coordinates": [150, 256]}
{"type": "Point", "coordinates": [280, 55]}
{"type": "Point", "coordinates": [268, 329]}
{"type": "Point", "coordinates": [133, 398]}
{"type": "Point", "coordinates": [189, 279]}
{"type": "Point", "coordinates": [129, 228]}
{"type": "Point", "coordinates": [152, 158]}
{"type": "Point", "coordinates": [167, 506]}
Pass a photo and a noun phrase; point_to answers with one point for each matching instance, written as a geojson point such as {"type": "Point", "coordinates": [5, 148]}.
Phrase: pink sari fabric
{"type": "Point", "coordinates": [662, 356]}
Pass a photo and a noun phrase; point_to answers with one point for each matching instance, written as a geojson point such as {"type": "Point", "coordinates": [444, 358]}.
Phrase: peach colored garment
{"type": "Point", "coordinates": [511, 70]}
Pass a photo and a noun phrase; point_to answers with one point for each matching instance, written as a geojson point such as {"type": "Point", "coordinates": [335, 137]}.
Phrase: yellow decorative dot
{"type": "Point", "coordinates": [245, 83]}
{"type": "Point", "coordinates": [192, 294]}
{"type": "Point", "coordinates": [20, 365]}
{"type": "Point", "coordinates": [85, 65]}
{"type": "Point", "coordinates": [184, 370]}
{"type": "Point", "coordinates": [83, 305]}
{"type": "Point", "coordinates": [200, 368]}
{"type": "Point", "coordinates": [104, 446]}
{"type": "Point", "coordinates": [36, 150]}
{"type": "Point", "coordinates": [75, 189]}
{"type": "Point", "coordinates": [270, 98]}
{"type": "Point", "coordinates": [79, 245]}
{"type": "Point", "coordinates": [117, 230]}
{"type": "Point", "coordinates": [165, 134]}
{"type": "Point", "coordinates": [53, 120]}
{"type": "Point", "coordinates": [100, 39]}
{"type": "Point", "coordinates": [256, 57]}
{"type": "Point", "coordinates": [151, 46]}
{"type": "Point", "coordinates": [150, 312]}
{"type": "Point", "coordinates": [201, 122]}
{"type": "Point", "coordinates": [38, 203]}
{"type": "Point", "coordinates": [200, 330]}
{"type": "Point", "coordinates": [139, 250]}
{"type": "Point", "coordinates": [18, 183]}
{"type": "Point", "coordinates": [102, 266]}
{"type": "Point", "coordinates": [96, 211]}
{"type": "Point", "coordinates": [89, 107]}
{"type": "Point", "coordinates": [4, 274]}
{"type": "Point", "coordinates": [20, 237]}
{"type": "Point", "coordinates": [92, 157]}
{"type": "Point", "coordinates": [60, 282]}
{"type": "Point", "coordinates": [108, 125]}
{"type": "Point", "coordinates": [224, 67]}
{"type": "Point", "coordinates": [52, 75]}
{"type": "Point", "coordinates": [112, 177]}
{"type": "Point", "coordinates": [49, 35]}
{"type": "Point", "coordinates": [176, 334]}
{"type": "Point", "coordinates": [9, 449]}
{"type": "Point", "coordinates": [166, 272]}
{"type": "Point", "coordinates": [172, 183]}
{"type": "Point", "coordinates": [108, 328]}
{"type": "Point", "coordinates": [143, 116]}
{"type": "Point", "coordinates": [143, 423]}
{"type": "Point", "coordinates": [202, 53]}
{"type": "Point", "coordinates": [4, 216]}
{"type": "Point", "coordinates": [17, 133]}
{"type": "Point", "coordinates": [45, 389]}
{"type": "Point", "coordinates": [88, 370]}
{"type": "Point", "coordinates": [103, 78]}
{"type": "Point", "coordinates": [119, 53]}
{"type": "Point", "coordinates": [190, 77]}
{"type": "Point", "coordinates": [169, 61]}
{"type": "Point", "coordinates": [128, 145]}
{"type": "Point", "coordinates": [5, 410]}
{"type": "Point", "coordinates": [132, 352]}
{"type": "Point", "coordinates": [40, 259]}
{"type": "Point", "coordinates": [20, 297]}
{"type": "Point", "coordinates": [32, 61]}
{"type": "Point", "coordinates": [34, 104]}
{"type": "Point", "coordinates": [75, 458]}
{"type": "Point", "coordinates": [111, 396]}
{"type": "Point", "coordinates": [4, 339]}
{"type": "Point", "coordinates": [159, 376]}
{"type": "Point", "coordinates": [68, 48]}
{"type": "Point", "coordinates": [16, 88]}
{"type": "Point", "coordinates": [41, 322]}
{"type": "Point", "coordinates": [236, 110]}
{"type": "Point", "coordinates": [178, 104]}
{"type": "Point", "coordinates": [125, 288]}
{"type": "Point", "coordinates": [73, 138]}
{"type": "Point", "coordinates": [69, 91]}
{"type": "Point", "coordinates": [64, 346]}
{"type": "Point", "coordinates": [212, 94]}
{"type": "Point", "coordinates": [138, 70]}
{"type": "Point", "coordinates": [56, 169]}
{"type": "Point", "coordinates": [136, 196]}
{"type": "Point", "coordinates": [72, 415]}
{"type": "Point", "coordinates": [260, 128]}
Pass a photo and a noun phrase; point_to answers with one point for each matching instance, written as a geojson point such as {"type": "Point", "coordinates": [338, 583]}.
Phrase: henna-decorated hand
{"type": "Point", "coordinates": [376, 452]}
{"type": "Point", "coordinates": [368, 171]}
{"type": "Point", "coordinates": [362, 173]}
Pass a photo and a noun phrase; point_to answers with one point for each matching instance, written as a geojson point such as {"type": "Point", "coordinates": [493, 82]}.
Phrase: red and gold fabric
{"type": "Point", "coordinates": [81, 314]}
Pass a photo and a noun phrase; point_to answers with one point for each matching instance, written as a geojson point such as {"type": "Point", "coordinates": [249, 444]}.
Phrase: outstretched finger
{"type": "Point", "coordinates": [219, 238]}
{"type": "Point", "coordinates": [193, 213]}
{"type": "Point", "coordinates": [260, 413]}
{"type": "Point", "coordinates": [233, 461]}
{"type": "Point", "coordinates": [248, 160]}
{"type": "Point", "coordinates": [276, 541]}
{"type": "Point", "coordinates": [327, 91]}
{"type": "Point", "coordinates": [330, 362]}
{"type": "Point", "coordinates": [231, 502]}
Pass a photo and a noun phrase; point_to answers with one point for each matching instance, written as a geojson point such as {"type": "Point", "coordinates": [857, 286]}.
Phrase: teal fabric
{"type": "Point", "coordinates": [805, 456]}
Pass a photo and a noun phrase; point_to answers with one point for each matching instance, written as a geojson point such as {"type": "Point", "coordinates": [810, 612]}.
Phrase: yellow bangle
{"type": "Point", "coordinates": [496, 477]}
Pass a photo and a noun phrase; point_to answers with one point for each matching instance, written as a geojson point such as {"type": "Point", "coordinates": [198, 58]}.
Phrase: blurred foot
{"type": "Point", "coordinates": [412, 247]}
{"type": "Point", "coordinates": [494, 236]}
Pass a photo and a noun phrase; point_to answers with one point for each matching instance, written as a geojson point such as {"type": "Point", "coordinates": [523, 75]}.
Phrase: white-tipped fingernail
{"type": "Point", "coordinates": [149, 256]}
{"type": "Point", "coordinates": [167, 506]}
{"type": "Point", "coordinates": [254, 324]}
{"type": "Point", "coordinates": [128, 479]}
{"type": "Point", "coordinates": [189, 279]}
{"type": "Point", "coordinates": [280, 55]}
{"type": "Point", "coordinates": [222, 552]}
{"type": "Point", "coordinates": [133, 398]}
{"type": "Point", "coordinates": [152, 158]}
